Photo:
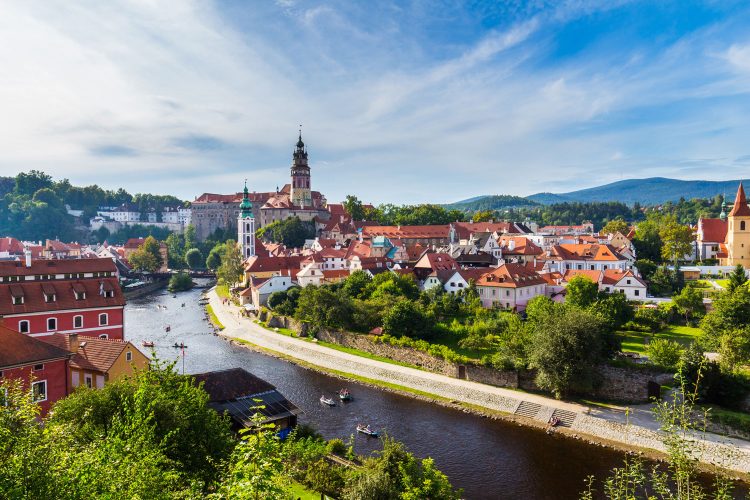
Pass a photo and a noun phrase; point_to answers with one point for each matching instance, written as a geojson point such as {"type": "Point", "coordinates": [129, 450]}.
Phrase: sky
{"type": "Point", "coordinates": [399, 102]}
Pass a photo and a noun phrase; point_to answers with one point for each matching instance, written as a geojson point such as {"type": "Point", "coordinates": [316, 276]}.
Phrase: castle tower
{"type": "Point", "coordinates": [246, 227]}
{"type": "Point", "coordinates": [738, 232]}
{"type": "Point", "coordinates": [300, 193]}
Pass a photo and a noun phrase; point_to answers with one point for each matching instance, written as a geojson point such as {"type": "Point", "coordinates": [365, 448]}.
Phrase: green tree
{"type": "Point", "coordinates": [646, 268]}
{"type": "Point", "coordinates": [180, 282]}
{"type": "Point", "coordinates": [483, 215]}
{"type": "Point", "coordinates": [689, 302]}
{"type": "Point", "coordinates": [614, 309]}
{"type": "Point", "coordinates": [407, 319]}
{"type": "Point", "coordinates": [142, 260]}
{"type": "Point", "coordinates": [291, 232]}
{"type": "Point", "coordinates": [175, 250]}
{"type": "Point", "coordinates": [354, 207]}
{"type": "Point", "coordinates": [189, 237]}
{"type": "Point", "coordinates": [30, 183]}
{"type": "Point", "coordinates": [677, 239]}
{"type": "Point", "coordinates": [213, 261]}
{"type": "Point", "coordinates": [663, 282]}
{"type": "Point", "coordinates": [616, 226]}
{"type": "Point", "coordinates": [321, 308]}
{"type": "Point", "coordinates": [664, 352]}
{"type": "Point", "coordinates": [356, 283]}
{"type": "Point", "coordinates": [194, 258]}
{"type": "Point", "coordinates": [647, 241]}
{"type": "Point", "coordinates": [230, 270]}
{"type": "Point", "coordinates": [725, 327]}
{"type": "Point", "coordinates": [566, 348]}
{"type": "Point", "coordinates": [737, 278]}
{"type": "Point", "coordinates": [581, 292]}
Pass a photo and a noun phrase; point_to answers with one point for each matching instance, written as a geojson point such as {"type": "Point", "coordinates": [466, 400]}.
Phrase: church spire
{"type": "Point", "coordinates": [740, 208]}
{"type": "Point", "coordinates": [246, 206]}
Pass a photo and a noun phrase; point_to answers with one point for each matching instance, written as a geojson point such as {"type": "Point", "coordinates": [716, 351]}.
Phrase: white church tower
{"type": "Point", "coordinates": [246, 227]}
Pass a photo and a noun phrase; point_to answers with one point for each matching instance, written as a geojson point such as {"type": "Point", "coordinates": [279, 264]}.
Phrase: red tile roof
{"type": "Point", "coordinates": [714, 230]}
{"type": "Point", "coordinates": [584, 251]}
{"type": "Point", "coordinates": [613, 276]}
{"type": "Point", "coordinates": [740, 208]}
{"type": "Point", "coordinates": [11, 245]}
{"type": "Point", "coordinates": [56, 266]}
{"type": "Point", "coordinates": [258, 263]}
{"type": "Point", "coordinates": [511, 276]}
{"type": "Point", "coordinates": [407, 232]}
{"type": "Point", "coordinates": [594, 276]}
{"type": "Point", "coordinates": [522, 246]}
{"type": "Point", "coordinates": [34, 300]}
{"type": "Point", "coordinates": [17, 349]}
{"type": "Point", "coordinates": [93, 353]}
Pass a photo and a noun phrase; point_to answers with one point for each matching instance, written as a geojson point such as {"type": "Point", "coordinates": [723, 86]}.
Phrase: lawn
{"type": "Point", "coordinates": [299, 491]}
{"type": "Point", "coordinates": [722, 283]}
{"type": "Point", "coordinates": [212, 316]}
{"type": "Point", "coordinates": [702, 284]}
{"type": "Point", "coordinates": [223, 291]}
{"type": "Point", "coordinates": [637, 341]}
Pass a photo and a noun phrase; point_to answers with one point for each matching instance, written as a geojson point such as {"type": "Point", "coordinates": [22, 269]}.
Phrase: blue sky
{"type": "Point", "coordinates": [400, 102]}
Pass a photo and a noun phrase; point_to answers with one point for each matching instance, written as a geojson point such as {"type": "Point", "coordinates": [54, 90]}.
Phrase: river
{"type": "Point", "coordinates": [487, 458]}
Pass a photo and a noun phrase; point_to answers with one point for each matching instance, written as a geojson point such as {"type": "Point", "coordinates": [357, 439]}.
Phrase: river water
{"type": "Point", "coordinates": [487, 458]}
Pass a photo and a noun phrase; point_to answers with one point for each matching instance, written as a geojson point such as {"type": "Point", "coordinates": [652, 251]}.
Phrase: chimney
{"type": "Point", "coordinates": [74, 342]}
{"type": "Point", "coordinates": [27, 254]}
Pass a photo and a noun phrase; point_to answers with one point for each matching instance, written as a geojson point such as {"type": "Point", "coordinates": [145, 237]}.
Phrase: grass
{"type": "Point", "coordinates": [637, 341]}
{"type": "Point", "coordinates": [223, 291]}
{"type": "Point", "coordinates": [702, 284]}
{"type": "Point", "coordinates": [213, 318]}
{"type": "Point", "coordinates": [348, 350]}
{"type": "Point", "coordinates": [451, 341]}
{"type": "Point", "coordinates": [734, 419]}
{"type": "Point", "coordinates": [299, 491]}
{"type": "Point", "coordinates": [722, 283]}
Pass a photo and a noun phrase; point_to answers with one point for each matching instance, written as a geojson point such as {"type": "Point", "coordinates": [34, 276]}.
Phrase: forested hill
{"type": "Point", "coordinates": [32, 205]}
{"type": "Point", "coordinates": [493, 202]}
{"type": "Point", "coordinates": [651, 191]}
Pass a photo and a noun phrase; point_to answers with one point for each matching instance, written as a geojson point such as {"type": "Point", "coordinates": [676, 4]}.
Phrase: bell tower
{"type": "Point", "coordinates": [738, 231]}
{"type": "Point", "coordinates": [300, 192]}
{"type": "Point", "coordinates": [246, 226]}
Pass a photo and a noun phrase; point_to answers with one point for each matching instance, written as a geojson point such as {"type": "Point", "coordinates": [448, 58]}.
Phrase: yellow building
{"type": "Point", "coordinates": [737, 244]}
{"type": "Point", "coordinates": [96, 361]}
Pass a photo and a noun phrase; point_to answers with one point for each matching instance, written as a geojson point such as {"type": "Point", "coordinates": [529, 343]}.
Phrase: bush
{"type": "Point", "coordinates": [337, 447]}
{"type": "Point", "coordinates": [180, 282]}
{"type": "Point", "coordinates": [664, 352]}
{"type": "Point", "coordinates": [407, 319]}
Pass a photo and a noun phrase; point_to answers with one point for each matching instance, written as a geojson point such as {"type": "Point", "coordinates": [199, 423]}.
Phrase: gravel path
{"type": "Point", "coordinates": [600, 423]}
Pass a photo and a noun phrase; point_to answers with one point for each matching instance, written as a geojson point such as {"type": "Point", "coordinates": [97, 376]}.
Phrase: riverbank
{"type": "Point", "coordinates": [601, 426]}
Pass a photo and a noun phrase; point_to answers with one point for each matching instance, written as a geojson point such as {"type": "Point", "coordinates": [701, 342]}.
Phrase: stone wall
{"type": "Point", "coordinates": [402, 354]}
{"type": "Point", "coordinates": [617, 384]}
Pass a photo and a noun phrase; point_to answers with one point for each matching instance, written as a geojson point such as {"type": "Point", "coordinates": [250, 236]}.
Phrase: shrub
{"type": "Point", "coordinates": [337, 446]}
{"type": "Point", "coordinates": [664, 352]}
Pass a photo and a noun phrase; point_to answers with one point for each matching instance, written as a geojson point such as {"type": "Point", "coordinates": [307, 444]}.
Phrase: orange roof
{"type": "Point", "coordinates": [405, 232]}
{"type": "Point", "coordinates": [740, 208]}
{"type": "Point", "coordinates": [93, 354]}
{"type": "Point", "coordinates": [594, 276]}
{"type": "Point", "coordinates": [585, 251]}
{"type": "Point", "coordinates": [511, 276]}
{"type": "Point", "coordinates": [522, 246]}
{"type": "Point", "coordinates": [714, 230]}
{"type": "Point", "coordinates": [258, 263]}
{"type": "Point", "coordinates": [613, 276]}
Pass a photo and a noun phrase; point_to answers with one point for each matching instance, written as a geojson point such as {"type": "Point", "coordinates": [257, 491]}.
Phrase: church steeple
{"type": "Point", "coordinates": [246, 206]}
{"type": "Point", "coordinates": [740, 208]}
{"type": "Point", "coordinates": [300, 191]}
{"type": "Point", "coordinates": [246, 226]}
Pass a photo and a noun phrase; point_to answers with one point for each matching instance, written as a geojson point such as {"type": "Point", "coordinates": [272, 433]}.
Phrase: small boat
{"type": "Point", "coordinates": [174, 296]}
{"type": "Point", "coordinates": [147, 343]}
{"type": "Point", "coordinates": [183, 304]}
{"type": "Point", "coordinates": [365, 429]}
{"type": "Point", "coordinates": [327, 401]}
{"type": "Point", "coordinates": [345, 395]}
{"type": "Point", "coordinates": [167, 328]}
{"type": "Point", "coordinates": [179, 346]}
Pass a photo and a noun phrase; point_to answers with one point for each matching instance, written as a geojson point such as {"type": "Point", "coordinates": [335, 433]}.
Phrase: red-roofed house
{"type": "Point", "coordinates": [96, 361]}
{"type": "Point", "coordinates": [510, 286]}
{"type": "Point", "coordinates": [518, 249]}
{"type": "Point", "coordinates": [567, 256]}
{"type": "Point", "coordinates": [611, 281]}
{"type": "Point", "coordinates": [10, 248]}
{"type": "Point", "coordinates": [42, 368]}
{"type": "Point", "coordinates": [711, 234]}
{"type": "Point", "coordinates": [43, 297]}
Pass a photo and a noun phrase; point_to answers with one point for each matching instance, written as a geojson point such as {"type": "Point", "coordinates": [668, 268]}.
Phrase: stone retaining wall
{"type": "Point", "coordinates": [617, 384]}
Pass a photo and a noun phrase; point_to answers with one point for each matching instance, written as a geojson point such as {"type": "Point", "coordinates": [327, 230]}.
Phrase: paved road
{"type": "Point", "coordinates": [633, 426]}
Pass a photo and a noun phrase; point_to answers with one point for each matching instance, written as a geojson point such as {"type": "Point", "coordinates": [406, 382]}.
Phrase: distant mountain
{"type": "Point", "coordinates": [651, 191]}
{"type": "Point", "coordinates": [491, 202]}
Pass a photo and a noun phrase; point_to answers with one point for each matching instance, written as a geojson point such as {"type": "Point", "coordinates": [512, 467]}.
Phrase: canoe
{"type": "Point", "coordinates": [365, 429]}
{"type": "Point", "coordinates": [327, 401]}
{"type": "Point", "coordinates": [147, 343]}
{"type": "Point", "coordinates": [345, 395]}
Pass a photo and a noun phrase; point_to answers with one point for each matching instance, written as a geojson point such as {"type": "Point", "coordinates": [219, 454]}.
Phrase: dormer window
{"type": "Point", "coordinates": [17, 301]}
{"type": "Point", "coordinates": [80, 295]}
{"type": "Point", "coordinates": [50, 297]}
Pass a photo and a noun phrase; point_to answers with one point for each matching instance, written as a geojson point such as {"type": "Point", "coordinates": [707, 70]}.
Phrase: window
{"type": "Point", "coordinates": [51, 324]}
{"type": "Point", "coordinates": [128, 356]}
{"type": "Point", "coordinates": [103, 319]}
{"type": "Point", "coordinates": [77, 321]}
{"type": "Point", "coordinates": [49, 297]}
{"type": "Point", "coordinates": [88, 381]}
{"type": "Point", "coordinates": [38, 368]}
{"type": "Point", "coordinates": [80, 295]}
{"type": "Point", "coordinates": [17, 301]}
{"type": "Point", "coordinates": [104, 336]}
{"type": "Point", "coordinates": [23, 326]}
{"type": "Point", "coordinates": [627, 281]}
{"type": "Point", "coordinates": [742, 225]}
{"type": "Point", "coordinates": [39, 391]}
{"type": "Point", "coordinates": [637, 292]}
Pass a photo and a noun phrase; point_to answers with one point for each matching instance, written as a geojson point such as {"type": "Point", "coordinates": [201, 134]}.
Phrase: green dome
{"type": "Point", "coordinates": [246, 206]}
